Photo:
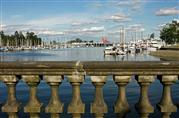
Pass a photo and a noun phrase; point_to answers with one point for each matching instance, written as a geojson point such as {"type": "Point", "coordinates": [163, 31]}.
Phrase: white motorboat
{"type": "Point", "coordinates": [110, 51]}
{"type": "Point", "coordinates": [114, 51]}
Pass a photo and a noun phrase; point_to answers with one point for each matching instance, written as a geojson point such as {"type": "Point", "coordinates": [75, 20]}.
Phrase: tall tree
{"type": "Point", "coordinates": [170, 33]}
{"type": "Point", "coordinates": [16, 36]}
{"type": "Point", "coordinates": [22, 39]}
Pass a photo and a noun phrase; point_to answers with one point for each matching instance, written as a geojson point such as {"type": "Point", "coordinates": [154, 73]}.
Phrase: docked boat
{"type": "Point", "coordinates": [155, 44]}
{"type": "Point", "coordinates": [110, 51]}
{"type": "Point", "coordinates": [113, 51]}
{"type": "Point", "coordinates": [3, 49]}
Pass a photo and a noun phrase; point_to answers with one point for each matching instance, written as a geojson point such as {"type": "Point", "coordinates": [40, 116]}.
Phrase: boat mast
{"type": "Point", "coordinates": [122, 37]}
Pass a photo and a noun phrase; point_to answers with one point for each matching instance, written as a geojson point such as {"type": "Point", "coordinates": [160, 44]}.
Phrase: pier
{"type": "Point", "coordinates": [32, 73]}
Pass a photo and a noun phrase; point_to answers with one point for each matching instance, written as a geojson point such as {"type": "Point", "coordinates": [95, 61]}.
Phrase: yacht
{"type": "Point", "coordinates": [110, 50]}
{"type": "Point", "coordinates": [114, 51]}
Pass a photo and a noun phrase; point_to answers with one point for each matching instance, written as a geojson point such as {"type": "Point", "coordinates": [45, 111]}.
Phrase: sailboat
{"type": "Point", "coordinates": [117, 50]}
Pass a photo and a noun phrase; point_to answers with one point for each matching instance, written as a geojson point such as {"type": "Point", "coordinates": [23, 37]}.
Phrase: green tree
{"type": "Point", "coordinates": [170, 33]}
{"type": "Point", "coordinates": [18, 39]}
{"type": "Point", "coordinates": [1, 38]}
{"type": "Point", "coordinates": [22, 39]}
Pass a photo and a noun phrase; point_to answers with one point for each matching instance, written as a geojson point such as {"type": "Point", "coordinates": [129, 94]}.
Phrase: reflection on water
{"type": "Point", "coordinates": [72, 54]}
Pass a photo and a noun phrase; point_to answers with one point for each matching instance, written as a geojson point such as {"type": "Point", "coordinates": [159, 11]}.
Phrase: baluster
{"type": "Point", "coordinates": [98, 107]}
{"type": "Point", "coordinates": [166, 105]}
{"type": "Point", "coordinates": [76, 106]}
{"type": "Point", "coordinates": [121, 106]}
{"type": "Point", "coordinates": [143, 106]}
{"type": "Point", "coordinates": [55, 106]}
{"type": "Point", "coordinates": [33, 107]}
{"type": "Point", "coordinates": [11, 106]}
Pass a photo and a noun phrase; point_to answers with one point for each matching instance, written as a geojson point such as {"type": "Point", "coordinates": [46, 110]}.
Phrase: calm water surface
{"type": "Point", "coordinates": [72, 54]}
{"type": "Point", "coordinates": [87, 89]}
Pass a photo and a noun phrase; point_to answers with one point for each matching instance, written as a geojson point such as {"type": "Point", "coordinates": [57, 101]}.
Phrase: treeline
{"type": "Point", "coordinates": [170, 33]}
{"type": "Point", "coordinates": [18, 39]}
{"type": "Point", "coordinates": [78, 40]}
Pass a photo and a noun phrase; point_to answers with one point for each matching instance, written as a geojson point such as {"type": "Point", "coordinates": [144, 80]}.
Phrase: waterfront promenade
{"type": "Point", "coordinates": [32, 73]}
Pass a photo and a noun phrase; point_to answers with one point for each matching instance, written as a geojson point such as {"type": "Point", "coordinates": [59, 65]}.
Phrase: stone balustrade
{"type": "Point", "coordinates": [53, 73]}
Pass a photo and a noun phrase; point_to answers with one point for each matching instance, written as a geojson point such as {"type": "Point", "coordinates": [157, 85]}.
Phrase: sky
{"type": "Point", "coordinates": [64, 20]}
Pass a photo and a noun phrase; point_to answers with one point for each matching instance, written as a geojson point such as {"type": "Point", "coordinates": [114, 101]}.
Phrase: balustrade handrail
{"type": "Point", "coordinates": [90, 68]}
{"type": "Point", "coordinates": [53, 73]}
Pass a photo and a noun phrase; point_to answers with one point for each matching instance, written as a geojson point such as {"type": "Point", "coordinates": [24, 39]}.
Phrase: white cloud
{"type": "Point", "coordinates": [48, 21]}
{"type": "Point", "coordinates": [74, 19]}
{"type": "Point", "coordinates": [130, 28]}
{"type": "Point", "coordinates": [136, 28]}
{"type": "Point", "coordinates": [167, 12]}
{"type": "Point", "coordinates": [50, 32]}
{"type": "Point", "coordinates": [132, 4]}
{"type": "Point", "coordinates": [76, 23]}
{"type": "Point", "coordinates": [85, 31]}
{"type": "Point", "coordinates": [83, 23]}
{"type": "Point", "coordinates": [10, 29]}
{"type": "Point", "coordinates": [124, 3]}
{"type": "Point", "coordinates": [119, 18]}
{"type": "Point", "coordinates": [93, 29]}
{"type": "Point", "coordinates": [136, 25]}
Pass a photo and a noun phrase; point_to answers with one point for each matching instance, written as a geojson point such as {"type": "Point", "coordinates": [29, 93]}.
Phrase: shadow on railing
{"type": "Point", "coordinates": [53, 73]}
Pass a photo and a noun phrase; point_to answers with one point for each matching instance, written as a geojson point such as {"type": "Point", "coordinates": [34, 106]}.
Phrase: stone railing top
{"type": "Point", "coordinates": [90, 68]}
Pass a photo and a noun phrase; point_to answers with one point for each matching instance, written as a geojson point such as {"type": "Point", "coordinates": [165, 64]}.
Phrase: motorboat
{"type": "Point", "coordinates": [114, 51]}
{"type": "Point", "coordinates": [110, 50]}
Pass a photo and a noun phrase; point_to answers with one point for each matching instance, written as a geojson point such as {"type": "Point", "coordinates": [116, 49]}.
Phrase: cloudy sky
{"type": "Point", "coordinates": [87, 19]}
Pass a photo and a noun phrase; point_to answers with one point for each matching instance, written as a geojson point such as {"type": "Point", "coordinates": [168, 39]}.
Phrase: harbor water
{"type": "Point", "coordinates": [87, 89]}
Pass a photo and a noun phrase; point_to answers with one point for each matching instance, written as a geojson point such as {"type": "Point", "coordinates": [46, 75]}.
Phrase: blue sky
{"type": "Point", "coordinates": [87, 19]}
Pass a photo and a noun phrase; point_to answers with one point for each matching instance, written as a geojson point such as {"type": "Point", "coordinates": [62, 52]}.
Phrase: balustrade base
{"type": "Point", "coordinates": [76, 109]}
{"type": "Point", "coordinates": [33, 109]}
{"type": "Point", "coordinates": [167, 108]}
{"type": "Point", "coordinates": [54, 109]}
{"type": "Point", "coordinates": [99, 109]}
{"type": "Point", "coordinates": [12, 107]}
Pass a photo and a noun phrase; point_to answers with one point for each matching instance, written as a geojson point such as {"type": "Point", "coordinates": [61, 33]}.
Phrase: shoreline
{"type": "Point", "coordinates": [168, 55]}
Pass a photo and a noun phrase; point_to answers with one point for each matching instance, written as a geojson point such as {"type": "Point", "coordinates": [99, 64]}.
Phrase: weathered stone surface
{"type": "Point", "coordinates": [77, 70]}
{"type": "Point", "coordinates": [144, 106]}
{"type": "Point", "coordinates": [55, 106]}
{"type": "Point", "coordinates": [99, 107]}
{"type": "Point", "coordinates": [76, 106]}
{"type": "Point", "coordinates": [53, 78]}
{"type": "Point", "coordinates": [11, 106]}
{"type": "Point", "coordinates": [121, 107]}
{"type": "Point", "coordinates": [31, 78]}
{"type": "Point", "coordinates": [166, 105]}
{"type": "Point", "coordinates": [76, 78]}
{"type": "Point", "coordinates": [90, 68]}
{"type": "Point", "coordinates": [33, 106]}
{"type": "Point", "coordinates": [169, 78]}
{"type": "Point", "coordinates": [145, 79]}
{"type": "Point", "coordinates": [122, 79]}
{"type": "Point", "coordinates": [98, 78]}
{"type": "Point", "coordinates": [9, 78]}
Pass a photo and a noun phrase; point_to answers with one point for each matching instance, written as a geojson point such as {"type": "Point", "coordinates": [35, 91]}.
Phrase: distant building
{"type": "Point", "coordinates": [104, 40]}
